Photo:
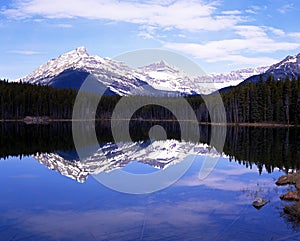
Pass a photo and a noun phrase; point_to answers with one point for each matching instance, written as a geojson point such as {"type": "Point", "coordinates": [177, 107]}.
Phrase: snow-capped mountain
{"type": "Point", "coordinates": [111, 156]}
{"type": "Point", "coordinates": [160, 78]}
{"type": "Point", "coordinates": [235, 77]}
{"type": "Point", "coordinates": [163, 76]}
{"type": "Point", "coordinates": [289, 66]}
{"type": "Point", "coordinates": [46, 72]}
{"type": "Point", "coordinates": [157, 79]}
{"type": "Point", "coordinates": [114, 75]}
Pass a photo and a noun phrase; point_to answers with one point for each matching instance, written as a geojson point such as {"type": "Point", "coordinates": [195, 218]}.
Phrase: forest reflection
{"type": "Point", "coordinates": [263, 146]}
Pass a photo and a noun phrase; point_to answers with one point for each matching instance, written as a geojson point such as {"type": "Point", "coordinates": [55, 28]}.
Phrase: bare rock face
{"type": "Point", "coordinates": [291, 196]}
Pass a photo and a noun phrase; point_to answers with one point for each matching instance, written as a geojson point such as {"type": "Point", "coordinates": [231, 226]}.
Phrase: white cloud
{"type": "Point", "coordinates": [233, 12]}
{"type": "Point", "coordinates": [147, 32]}
{"type": "Point", "coordinates": [213, 53]}
{"type": "Point", "coordinates": [251, 11]}
{"type": "Point", "coordinates": [181, 35]}
{"type": "Point", "coordinates": [180, 18]}
{"type": "Point", "coordinates": [25, 52]}
{"type": "Point", "coordinates": [276, 31]}
{"type": "Point", "coordinates": [253, 40]}
{"type": "Point", "coordinates": [295, 35]}
{"type": "Point", "coordinates": [259, 7]}
{"type": "Point", "coordinates": [256, 9]}
{"type": "Point", "coordinates": [248, 61]}
{"type": "Point", "coordinates": [145, 35]}
{"type": "Point", "coordinates": [188, 15]}
{"type": "Point", "coordinates": [63, 25]}
{"type": "Point", "coordinates": [285, 8]}
{"type": "Point", "coordinates": [215, 50]}
{"type": "Point", "coordinates": [39, 20]}
{"type": "Point", "coordinates": [250, 31]}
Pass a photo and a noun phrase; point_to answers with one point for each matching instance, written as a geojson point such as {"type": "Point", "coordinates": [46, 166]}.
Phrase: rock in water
{"type": "Point", "coordinates": [258, 203]}
{"type": "Point", "coordinates": [284, 180]}
{"type": "Point", "coordinates": [293, 178]}
{"type": "Point", "coordinates": [291, 196]}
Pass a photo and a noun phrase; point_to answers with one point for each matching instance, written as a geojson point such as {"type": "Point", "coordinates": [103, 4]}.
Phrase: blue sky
{"type": "Point", "coordinates": [219, 35]}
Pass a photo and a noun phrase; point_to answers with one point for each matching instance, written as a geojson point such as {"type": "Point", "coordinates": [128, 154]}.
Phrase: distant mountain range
{"type": "Point", "coordinates": [157, 79]}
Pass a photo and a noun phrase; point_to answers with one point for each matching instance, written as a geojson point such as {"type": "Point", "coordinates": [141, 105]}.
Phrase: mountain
{"type": "Point", "coordinates": [235, 77]}
{"type": "Point", "coordinates": [111, 156]}
{"type": "Point", "coordinates": [69, 70]}
{"type": "Point", "coordinates": [289, 66]}
{"type": "Point", "coordinates": [163, 76]}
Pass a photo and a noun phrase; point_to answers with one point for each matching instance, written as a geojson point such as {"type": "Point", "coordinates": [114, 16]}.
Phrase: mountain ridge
{"type": "Point", "coordinates": [156, 79]}
{"type": "Point", "coordinates": [288, 67]}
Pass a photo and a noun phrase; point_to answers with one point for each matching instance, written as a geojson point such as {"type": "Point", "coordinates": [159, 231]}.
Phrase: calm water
{"type": "Point", "coordinates": [43, 198]}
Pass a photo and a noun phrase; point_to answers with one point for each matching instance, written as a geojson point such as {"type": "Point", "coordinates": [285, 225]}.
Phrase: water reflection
{"type": "Point", "coordinates": [38, 204]}
{"type": "Point", "coordinates": [207, 210]}
{"type": "Point", "coordinates": [112, 156]}
{"type": "Point", "coordinates": [265, 147]}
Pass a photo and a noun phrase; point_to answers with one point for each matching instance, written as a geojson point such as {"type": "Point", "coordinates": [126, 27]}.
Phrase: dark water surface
{"type": "Point", "coordinates": [46, 194]}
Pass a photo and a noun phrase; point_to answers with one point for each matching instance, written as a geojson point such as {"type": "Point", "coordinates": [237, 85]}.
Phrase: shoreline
{"type": "Point", "coordinates": [158, 120]}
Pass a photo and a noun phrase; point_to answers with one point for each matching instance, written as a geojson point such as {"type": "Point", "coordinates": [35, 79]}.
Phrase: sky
{"type": "Point", "coordinates": [220, 36]}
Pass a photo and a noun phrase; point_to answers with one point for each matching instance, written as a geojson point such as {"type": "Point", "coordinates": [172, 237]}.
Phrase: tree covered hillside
{"type": "Point", "coordinates": [269, 101]}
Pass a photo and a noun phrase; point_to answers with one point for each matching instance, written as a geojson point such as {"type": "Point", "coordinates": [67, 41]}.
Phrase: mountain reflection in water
{"type": "Point", "coordinates": [39, 204]}
{"type": "Point", "coordinates": [112, 156]}
{"type": "Point", "coordinates": [265, 147]}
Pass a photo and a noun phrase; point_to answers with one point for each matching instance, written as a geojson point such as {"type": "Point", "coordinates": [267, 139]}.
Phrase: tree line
{"type": "Point", "coordinates": [265, 101]}
{"type": "Point", "coordinates": [270, 101]}
{"type": "Point", "coordinates": [18, 100]}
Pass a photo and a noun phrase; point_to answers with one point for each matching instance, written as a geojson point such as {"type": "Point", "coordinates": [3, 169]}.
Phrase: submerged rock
{"type": "Point", "coordinates": [293, 209]}
{"type": "Point", "coordinates": [258, 203]}
{"type": "Point", "coordinates": [293, 212]}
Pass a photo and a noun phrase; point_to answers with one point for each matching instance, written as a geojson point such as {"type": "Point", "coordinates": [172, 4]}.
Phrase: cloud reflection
{"type": "Point", "coordinates": [159, 221]}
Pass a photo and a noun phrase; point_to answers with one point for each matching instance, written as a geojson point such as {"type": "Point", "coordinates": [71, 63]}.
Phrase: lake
{"type": "Point", "coordinates": [49, 193]}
